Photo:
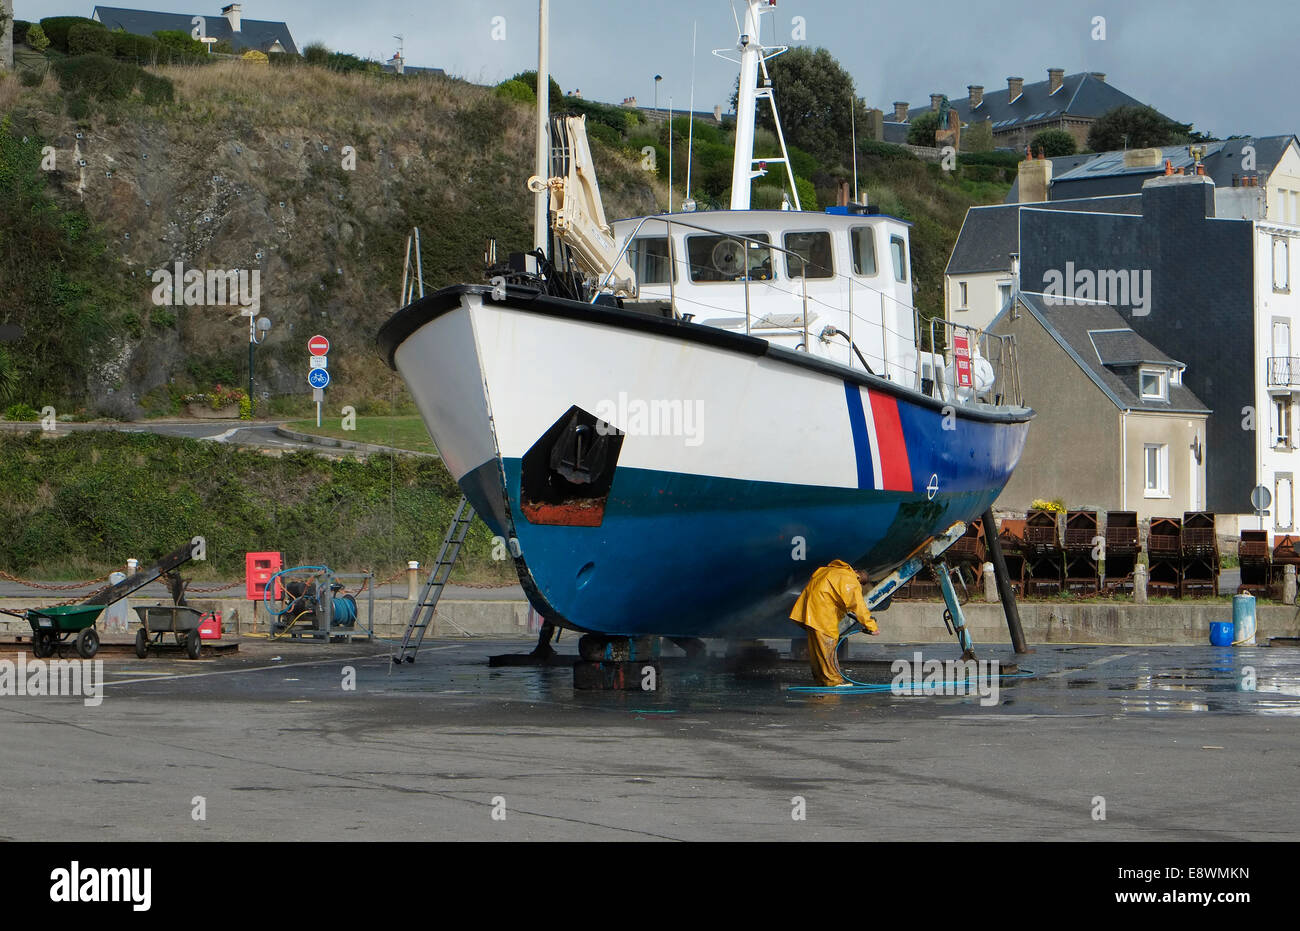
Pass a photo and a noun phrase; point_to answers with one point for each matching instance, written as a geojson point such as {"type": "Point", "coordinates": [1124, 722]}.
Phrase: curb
{"type": "Point", "coordinates": [330, 442]}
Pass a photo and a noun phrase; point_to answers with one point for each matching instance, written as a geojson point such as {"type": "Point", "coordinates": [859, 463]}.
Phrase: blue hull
{"type": "Point", "coordinates": [696, 556]}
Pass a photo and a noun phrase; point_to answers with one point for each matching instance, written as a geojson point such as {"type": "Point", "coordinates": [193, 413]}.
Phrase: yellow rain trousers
{"type": "Point", "coordinates": [832, 592]}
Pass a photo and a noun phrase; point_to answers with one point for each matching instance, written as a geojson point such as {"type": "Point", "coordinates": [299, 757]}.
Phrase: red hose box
{"type": "Point", "coordinates": [210, 626]}
{"type": "Point", "coordinates": [258, 570]}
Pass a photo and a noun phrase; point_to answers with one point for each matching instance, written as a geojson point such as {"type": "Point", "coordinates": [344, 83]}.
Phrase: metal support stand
{"type": "Point", "coordinates": [1005, 592]}
{"type": "Point", "coordinates": [954, 616]}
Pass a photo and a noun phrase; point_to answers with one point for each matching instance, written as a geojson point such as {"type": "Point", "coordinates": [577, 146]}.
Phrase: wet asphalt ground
{"type": "Point", "coordinates": [1181, 743]}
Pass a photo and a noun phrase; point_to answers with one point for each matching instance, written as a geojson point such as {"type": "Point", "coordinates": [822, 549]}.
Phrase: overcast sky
{"type": "Point", "coordinates": [1227, 68]}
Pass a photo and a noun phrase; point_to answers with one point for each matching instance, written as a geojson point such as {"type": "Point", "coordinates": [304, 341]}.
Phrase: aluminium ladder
{"type": "Point", "coordinates": [422, 615]}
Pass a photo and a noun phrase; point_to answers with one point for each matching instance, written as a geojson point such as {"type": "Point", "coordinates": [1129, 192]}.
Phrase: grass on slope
{"type": "Point", "coordinates": [79, 506]}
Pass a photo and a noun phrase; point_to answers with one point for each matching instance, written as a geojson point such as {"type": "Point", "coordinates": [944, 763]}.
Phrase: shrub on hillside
{"type": "Point", "coordinates": [143, 50]}
{"type": "Point", "coordinates": [517, 91]}
{"type": "Point", "coordinates": [56, 29]}
{"type": "Point", "coordinates": [94, 76]}
{"type": "Point", "coordinates": [90, 39]}
{"type": "Point", "coordinates": [316, 54]}
{"type": "Point", "coordinates": [37, 39]}
{"type": "Point", "coordinates": [181, 45]}
{"type": "Point", "coordinates": [21, 26]}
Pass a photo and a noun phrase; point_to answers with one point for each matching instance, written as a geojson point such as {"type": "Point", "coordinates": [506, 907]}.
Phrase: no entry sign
{"type": "Point", "coordinates": [318, 345]}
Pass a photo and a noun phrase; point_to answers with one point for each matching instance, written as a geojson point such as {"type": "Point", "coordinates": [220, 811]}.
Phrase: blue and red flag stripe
{"type": "Point", "coordinates": [878, 441]}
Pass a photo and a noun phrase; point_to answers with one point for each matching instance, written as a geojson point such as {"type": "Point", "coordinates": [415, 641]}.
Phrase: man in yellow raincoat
{"type": "Point", "coordinates": [832, 592]}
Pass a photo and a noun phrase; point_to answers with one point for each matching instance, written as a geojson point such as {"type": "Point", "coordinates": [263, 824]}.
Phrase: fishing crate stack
{"type": "Point", "coordinates": [1120, 556]}
{"type": "Point", "coordinates": [1082, 553]}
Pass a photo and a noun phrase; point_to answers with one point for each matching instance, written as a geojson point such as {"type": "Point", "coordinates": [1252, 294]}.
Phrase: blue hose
{"type": "Point", "coordinates": [270, 587]}
{"type": "Point", "coordinates": [870, 688]}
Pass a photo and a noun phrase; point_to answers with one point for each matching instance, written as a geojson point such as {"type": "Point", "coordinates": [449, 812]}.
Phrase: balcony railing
{"type": "Point", "coordinates": [1283, 371]}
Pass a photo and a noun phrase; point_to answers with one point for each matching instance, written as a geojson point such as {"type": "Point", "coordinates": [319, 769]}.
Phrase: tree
{"type": "Point", "coordinates": [1053, 143]}
{"type": "Point", "coordinates": [922, 129]}
{"type": "Point", "coordinates": [1139, 127]}
{"type": "Point", "coordinates": [813, 96]}
{"type": "Point", "coordinates": [530, 78]}
{"type": "Point", "coordinates": [37, 38]}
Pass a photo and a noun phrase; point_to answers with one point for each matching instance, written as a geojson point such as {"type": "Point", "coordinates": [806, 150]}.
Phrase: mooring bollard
{"type": "Point", "coordinates": [412, 579]}
{"type": "Point", "coordinates": [1288, 584]}
{"type": "Point", "coordinates": [990, 583]}
{"type": "Point", "coordinates": [1140, 584]}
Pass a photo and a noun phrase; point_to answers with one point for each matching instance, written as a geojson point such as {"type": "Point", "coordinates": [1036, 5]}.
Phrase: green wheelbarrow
{"type": "Point", "coordinates": [52, 626]}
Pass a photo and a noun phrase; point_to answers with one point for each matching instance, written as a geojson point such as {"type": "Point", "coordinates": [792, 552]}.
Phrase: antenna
{"type": "Point", "coordinates": [670, 155]}
{"type": "Point", "coordinates": [853, 127]}
{"type": "Point", "coordinates": [689, 204]}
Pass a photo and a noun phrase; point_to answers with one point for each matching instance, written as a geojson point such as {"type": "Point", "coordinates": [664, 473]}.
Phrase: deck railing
{"type": "Point", "coordinates": [867, 308]}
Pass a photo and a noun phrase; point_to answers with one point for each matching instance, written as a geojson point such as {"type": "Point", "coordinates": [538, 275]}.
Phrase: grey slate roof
{"type": "Point", "coordinates": [896, 132]}
{"type": "Point", "coordinates": [1222, 162]}
{"type": "Point", "coordinates": [990, 234]}
{"type": "Point", "coordinates": [1081, 95]}
{"type": "Point", "coordinates": [1089, 333]}
{"type": "Point", "coordinates": [253, 33]}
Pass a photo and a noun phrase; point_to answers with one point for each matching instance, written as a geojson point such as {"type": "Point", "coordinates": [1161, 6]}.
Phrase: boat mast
{"type": "Point", "coordinates": [751, 52]}
{"type": "Point", "coordinates": [753, 58]}
{"type": "Point", "coordinates": [541, 220]}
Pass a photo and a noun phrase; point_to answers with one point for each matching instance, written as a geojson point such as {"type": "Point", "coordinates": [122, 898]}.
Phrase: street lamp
{"type": "Point", "coordinates": [256, 325]}
{"type": "Point", "coordinates": [658, 78]}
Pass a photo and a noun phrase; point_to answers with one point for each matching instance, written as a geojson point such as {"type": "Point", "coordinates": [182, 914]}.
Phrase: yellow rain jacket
{"type": "Point", "coordinates": [832, 592]}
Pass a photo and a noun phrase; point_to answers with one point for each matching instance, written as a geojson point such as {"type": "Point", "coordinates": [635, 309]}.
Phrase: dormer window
{"type": "Point", "coordinates": [1155, 384]}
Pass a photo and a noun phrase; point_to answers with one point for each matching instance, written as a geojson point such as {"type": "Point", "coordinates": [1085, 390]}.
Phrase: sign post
{"type": "Point", "coordinates": [318, 376]}
{"type": "Point", "coordinates": [1261, 498]}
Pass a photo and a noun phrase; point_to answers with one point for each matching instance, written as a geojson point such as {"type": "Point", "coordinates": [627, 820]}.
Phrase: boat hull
{"type": "Point", "coordinates": [735, 470]}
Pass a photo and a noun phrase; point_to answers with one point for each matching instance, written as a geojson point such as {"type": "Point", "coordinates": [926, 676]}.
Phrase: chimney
{"type": "Point", "coordinates": [1100, 76]}
{"type": "Point", "coordinates": [1055, 78]}
{"type": "Point", "coordinates": [936, 101]}
{"type": "Point", "coordinates": [232, 13]}
{"type": "Point", "coordinates": [976, 92]}
{"type": "Point", "coordinates": [717, 112]}
{"type": "Point", "coordinates": [1015, 87]}
{"type": "Point", "coordinates": [900, 111]}
{"type": "Point", "coordinates": [1035, 180]}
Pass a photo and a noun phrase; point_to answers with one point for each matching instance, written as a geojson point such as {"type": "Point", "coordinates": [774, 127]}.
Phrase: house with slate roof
{"type": "Point", "coordinates": [1020, 111]}
{"type": "Point", "coordinates": [230, 26]}
{"type": "Point", "coordinates": [1217, 293]}
{"type": "Point", "coordinates": [1117, 429]}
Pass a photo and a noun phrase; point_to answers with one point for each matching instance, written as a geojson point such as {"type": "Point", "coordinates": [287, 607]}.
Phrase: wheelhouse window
{"type": "Point", "coordinates": [812, 250]}
{"type": "Point", "coordinates": [1155, 384]}
{"type": "Point", "coordinates": [723, 258]}
{"type": "Point", "coordinates": [898, 252]}
{"type": "Point", "coordinates": [649, 257]}
{"type": "Point", "coordinates": [863, 241]}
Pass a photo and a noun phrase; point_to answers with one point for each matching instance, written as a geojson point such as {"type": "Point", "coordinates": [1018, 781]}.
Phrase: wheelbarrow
{"type": "Point", "coordinates": [52, 626]}
{"type": "Point", "coordinates": [158, 621]}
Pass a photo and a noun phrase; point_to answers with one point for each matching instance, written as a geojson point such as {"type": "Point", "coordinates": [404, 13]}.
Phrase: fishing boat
{"type": "Point", "coordinates": [673, 420]}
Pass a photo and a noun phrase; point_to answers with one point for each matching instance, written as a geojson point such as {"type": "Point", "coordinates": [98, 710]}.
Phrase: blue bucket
{"type": "Point", "coordinates": [1221, 633]}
